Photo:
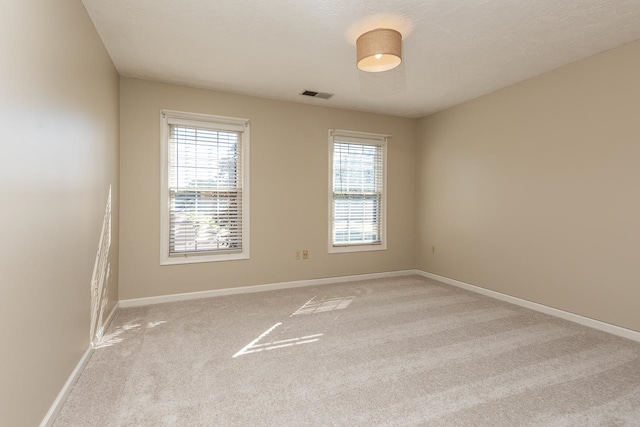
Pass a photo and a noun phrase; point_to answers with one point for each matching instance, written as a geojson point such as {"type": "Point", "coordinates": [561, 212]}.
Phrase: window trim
{"type": "Point", "coordinates": [363, 138]}
{"type": "Point", "coordinates": [213, 122]}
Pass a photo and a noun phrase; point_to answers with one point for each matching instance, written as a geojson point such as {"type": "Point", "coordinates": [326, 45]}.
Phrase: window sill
{"type": "Point", "coordinates": [357, 248]}
{"type": "Point", "coordinates": [194, 259]}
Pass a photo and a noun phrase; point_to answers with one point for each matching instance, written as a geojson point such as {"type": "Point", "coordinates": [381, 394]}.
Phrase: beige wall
{"type": "Point", "coordinates": [531, 191]}
{"type": "Point", "coordinates": [534, 190]}
{"type": "Point", "coordinates": [59, 120]}
{"type": "Point", "coordinates": [289, 186]}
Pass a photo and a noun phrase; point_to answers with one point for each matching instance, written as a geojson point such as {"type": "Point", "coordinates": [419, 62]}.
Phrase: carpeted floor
{"type": "Point", "coordinates": [401, 351]}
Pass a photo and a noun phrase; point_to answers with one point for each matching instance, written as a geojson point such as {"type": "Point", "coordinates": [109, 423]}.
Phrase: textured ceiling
{"type": "Point", "coordinates": [454, 50]}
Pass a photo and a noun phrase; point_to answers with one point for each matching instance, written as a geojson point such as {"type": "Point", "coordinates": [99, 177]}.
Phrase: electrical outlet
{"type": "Point", "coordinates": [297, 255]}
{"type": "Point", "coordinates": [433, 249]}
{"type": "Point", "coordinates": [305, 254]}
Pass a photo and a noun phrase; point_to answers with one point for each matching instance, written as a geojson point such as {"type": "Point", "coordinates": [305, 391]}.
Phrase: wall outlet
{"type": "Point", "coordinates": [433, 249]}
{"type": "Point", "coordinates": [305, 254]}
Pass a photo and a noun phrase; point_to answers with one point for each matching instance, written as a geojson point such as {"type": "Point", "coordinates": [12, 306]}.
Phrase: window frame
{"type": "Point", "coordinates": [216, 123]}
{"type": "Point", "coordinates": [362, 138]}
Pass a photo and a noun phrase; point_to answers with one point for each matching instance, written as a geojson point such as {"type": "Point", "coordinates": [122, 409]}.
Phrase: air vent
{"type": "Point", "coordinates": [314, 94]}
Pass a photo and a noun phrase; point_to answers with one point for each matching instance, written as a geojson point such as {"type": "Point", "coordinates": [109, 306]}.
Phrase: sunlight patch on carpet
{"type": "Point", "coordinates": [254, 347]}
{"type": "Point", "coordinates": [323, 305]}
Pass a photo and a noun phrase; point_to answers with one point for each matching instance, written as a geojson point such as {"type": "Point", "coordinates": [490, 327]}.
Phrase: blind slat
{"type": "Point", "coordinates": [205, 189]}
{"type": "Point", "coordinates": [357, 193]}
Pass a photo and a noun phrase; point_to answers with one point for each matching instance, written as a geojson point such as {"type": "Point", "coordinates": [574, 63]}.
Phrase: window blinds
{"type": "Point", "coordinates": [205, 189]}
{"type": "Point", "coordinates": [357, 193]}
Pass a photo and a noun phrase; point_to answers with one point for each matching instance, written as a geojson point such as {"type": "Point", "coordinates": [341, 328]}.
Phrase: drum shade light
{"type": "Point", "coordinates": [379, 50]}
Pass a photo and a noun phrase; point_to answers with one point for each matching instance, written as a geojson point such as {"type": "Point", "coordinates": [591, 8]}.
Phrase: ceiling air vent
{"type": "Point", "coordinates": [314, 94]}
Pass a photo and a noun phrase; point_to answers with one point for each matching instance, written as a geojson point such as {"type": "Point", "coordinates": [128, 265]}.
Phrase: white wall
{"type": "Point", "coordinates": [59, 157]}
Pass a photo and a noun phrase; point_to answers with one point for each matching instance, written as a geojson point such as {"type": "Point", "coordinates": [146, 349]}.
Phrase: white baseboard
{"type": "Point", "coordinates": [55, 408]}
{"type": "Point", "coordinates": [136, 302]}
{"type": "Point", "coordinates": [585, 321]}
{"type": "Point", "coordinates": [111, 315]}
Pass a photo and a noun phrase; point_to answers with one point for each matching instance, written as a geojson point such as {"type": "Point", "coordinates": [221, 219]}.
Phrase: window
{"type": "Point", "coordinates": [205, 188]}
{"type": "Point", "coordinates": [357, 219]}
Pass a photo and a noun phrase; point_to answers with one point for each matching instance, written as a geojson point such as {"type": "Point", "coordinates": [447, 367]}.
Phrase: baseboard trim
{"type": "Point", "coordinates": [55, 408]}
{"type": "Point", "coordinates": [137, 302]}
{"type": "Point", "coordinates": [566, 315]}
{"type": "Point", "coordinates": [111, 315]}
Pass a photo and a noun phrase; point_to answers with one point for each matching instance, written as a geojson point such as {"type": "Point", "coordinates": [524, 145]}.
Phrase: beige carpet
{"type": "Point", "coordinates": [402, 351]}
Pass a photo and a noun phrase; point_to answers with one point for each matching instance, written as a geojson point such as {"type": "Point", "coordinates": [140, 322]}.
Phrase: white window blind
{"type": "Point", "coordinates": [357, 191]}
{"type": "Point", "coordinates": [205, 188]}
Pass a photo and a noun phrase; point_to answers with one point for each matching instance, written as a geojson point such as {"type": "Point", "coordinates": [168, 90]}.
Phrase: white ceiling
{"type": "Point", "coordinates": [454, 50]}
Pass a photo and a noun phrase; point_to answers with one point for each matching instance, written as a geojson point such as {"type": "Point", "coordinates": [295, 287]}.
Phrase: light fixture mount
{"type": "Point", "coordinates": [379, 50]}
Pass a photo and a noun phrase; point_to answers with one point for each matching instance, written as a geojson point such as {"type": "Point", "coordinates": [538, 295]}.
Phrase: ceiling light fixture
{"type": "Point", "coordinates": [379, 50]}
